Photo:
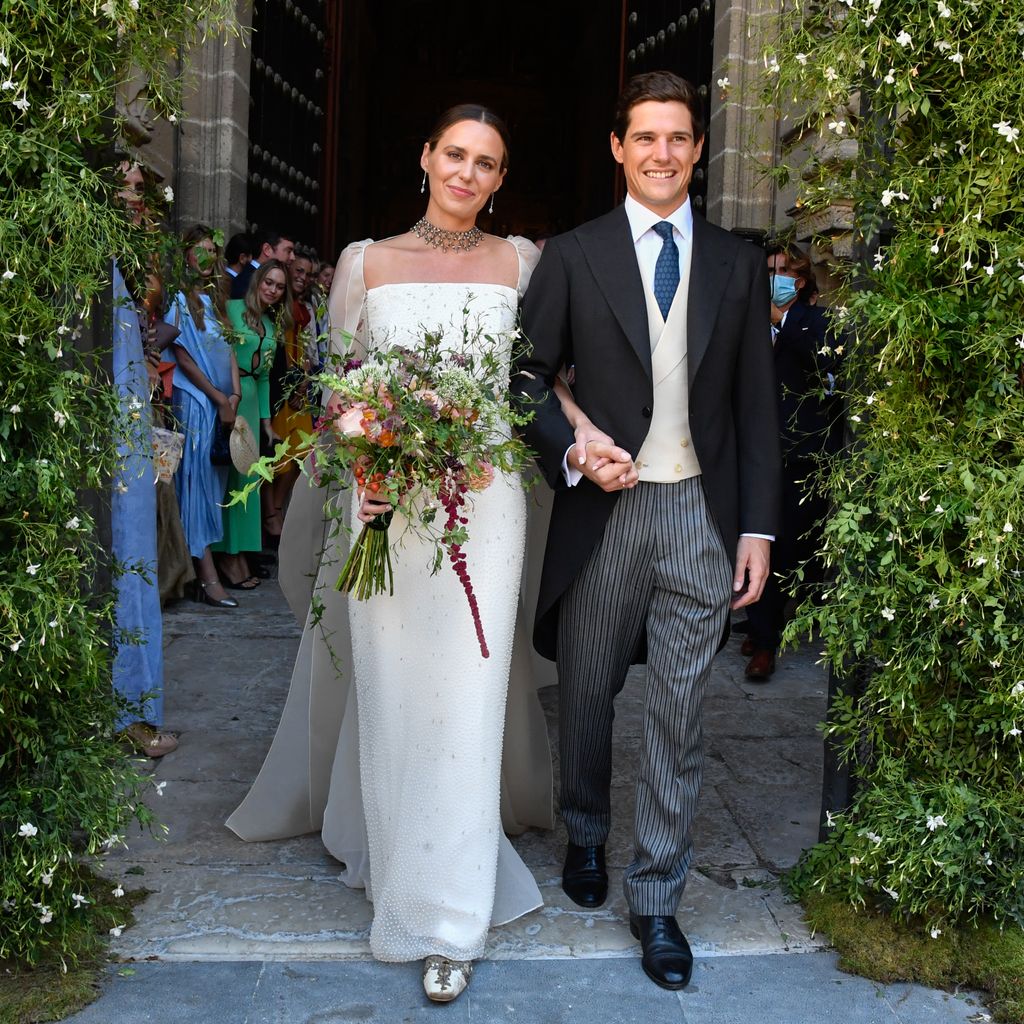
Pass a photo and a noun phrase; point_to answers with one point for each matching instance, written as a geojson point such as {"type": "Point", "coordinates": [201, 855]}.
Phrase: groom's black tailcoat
{"type": "Point", "coordinates": [585, 307]}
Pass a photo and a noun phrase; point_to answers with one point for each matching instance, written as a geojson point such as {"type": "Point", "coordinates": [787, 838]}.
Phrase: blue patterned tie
{"type": "Point", "coordinates": [666, 270]}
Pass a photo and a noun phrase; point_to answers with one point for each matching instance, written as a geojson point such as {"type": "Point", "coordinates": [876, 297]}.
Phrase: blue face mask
{"type": "Point", "coordinates": [783, 290]}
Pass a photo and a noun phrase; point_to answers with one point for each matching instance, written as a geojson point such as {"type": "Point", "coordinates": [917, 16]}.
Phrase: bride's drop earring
{"type": "Point", "coordinates": [490, 209]}
{"type": "Point", "coordinates": [423, 187]}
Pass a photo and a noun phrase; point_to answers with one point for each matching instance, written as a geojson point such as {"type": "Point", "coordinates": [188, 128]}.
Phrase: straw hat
{"type": "Point", "coordinates": [242, 443]}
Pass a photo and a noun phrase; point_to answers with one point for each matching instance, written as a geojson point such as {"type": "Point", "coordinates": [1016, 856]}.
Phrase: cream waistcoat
{"type": "Point", "coordinates": [667, 454]}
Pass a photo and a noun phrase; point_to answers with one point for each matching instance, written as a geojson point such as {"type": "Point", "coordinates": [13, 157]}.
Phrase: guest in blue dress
{"type": "Point", "coordinates": [205, 399]}
{"type": "Point", "coordinates": [138, 669]}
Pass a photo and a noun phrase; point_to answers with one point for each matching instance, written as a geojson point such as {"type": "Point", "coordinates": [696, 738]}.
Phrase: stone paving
{"type": "Point", "coordinates": [213, 897]}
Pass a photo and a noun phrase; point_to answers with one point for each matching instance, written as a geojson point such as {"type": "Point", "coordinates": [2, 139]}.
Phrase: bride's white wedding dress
{"type": "Point", "coordinates": [422, 727]}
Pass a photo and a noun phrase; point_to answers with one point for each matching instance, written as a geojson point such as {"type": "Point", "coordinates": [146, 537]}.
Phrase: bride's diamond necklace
{"type": "Point", "coordinates": [447, 241]}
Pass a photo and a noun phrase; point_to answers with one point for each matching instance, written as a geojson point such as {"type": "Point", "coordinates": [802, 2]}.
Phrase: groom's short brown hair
{"type": "Point", "coordinates": [661, 87]}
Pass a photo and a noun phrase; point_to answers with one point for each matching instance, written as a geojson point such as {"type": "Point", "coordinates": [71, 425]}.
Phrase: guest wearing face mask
{"type": "Point", "coordinates": [807, 356]}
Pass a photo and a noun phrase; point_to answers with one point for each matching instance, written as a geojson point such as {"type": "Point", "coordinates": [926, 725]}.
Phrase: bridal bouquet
{"type": "Point", "coordinates": [420, 428]}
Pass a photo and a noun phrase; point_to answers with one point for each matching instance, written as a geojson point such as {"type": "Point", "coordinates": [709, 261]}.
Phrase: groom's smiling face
{"type": "Point", "coordinates": [658, 154]}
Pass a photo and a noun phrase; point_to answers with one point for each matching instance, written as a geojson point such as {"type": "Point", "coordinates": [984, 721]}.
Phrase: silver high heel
{"type": "Point", "coordinates": [204, 598]}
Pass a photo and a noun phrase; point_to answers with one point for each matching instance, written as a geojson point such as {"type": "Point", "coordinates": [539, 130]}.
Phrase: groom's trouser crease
{"type": "Point", "coordinates": [659, 564]}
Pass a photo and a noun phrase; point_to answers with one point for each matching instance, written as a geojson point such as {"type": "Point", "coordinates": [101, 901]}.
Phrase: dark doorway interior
{"type": "Point", "coordinates": [549, 67]}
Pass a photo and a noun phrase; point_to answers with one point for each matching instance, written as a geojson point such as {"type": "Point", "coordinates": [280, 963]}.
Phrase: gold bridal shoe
{"type": "Point", "coordinates": [444, 979]}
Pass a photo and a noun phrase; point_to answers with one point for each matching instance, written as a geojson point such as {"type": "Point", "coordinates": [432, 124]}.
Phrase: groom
{"type": "Point", "coordinates": [664, 513]}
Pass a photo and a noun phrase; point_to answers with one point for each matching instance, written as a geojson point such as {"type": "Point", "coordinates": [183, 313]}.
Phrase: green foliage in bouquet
{"type": "Point", "coordinates": [66, 788]}
{"type": "Point", "coordinates": [915, 109]}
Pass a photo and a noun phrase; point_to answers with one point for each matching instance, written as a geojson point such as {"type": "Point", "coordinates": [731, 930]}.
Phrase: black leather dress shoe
{"type": "Point", "coordinates": [584, 877]}
{"type": "Point", "coordinates": [667, 959]}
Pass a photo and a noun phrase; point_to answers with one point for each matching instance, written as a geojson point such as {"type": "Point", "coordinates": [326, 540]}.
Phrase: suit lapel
{"type": "Point", "coordinates": [608, 249]}
{"type": "Point", "coordinates": [710, 266]}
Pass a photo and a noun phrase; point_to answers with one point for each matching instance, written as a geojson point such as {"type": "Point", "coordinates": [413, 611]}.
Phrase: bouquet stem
{"type": "Point", "coordinates": [368, 570]}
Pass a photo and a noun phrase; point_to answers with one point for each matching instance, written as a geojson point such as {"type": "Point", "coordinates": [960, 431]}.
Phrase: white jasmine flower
{"type": "Point", "coordinates": [830, 820]}
{"type": "Point", "coordinates": [935, 821]}
{"type": "Point", "coordinates": [890, 537]}
{"type": "Point", "coordinates": [73, 523]}
{"type": "Point", "coordinates": [968, 265]}
{"type": "Point", "coordinates": [16, 646]}
{"type": "Point", "coordinates": [169, 194]}
{"type": "Point", "coordinates": [837, 126]}
{"type": "Point", "coordinates": [723, 83]}
{"type": "Point", "coordinates": [890, 78]}
{"type": "Point", "coordinates": [1008, 131]}
{"type": "Point", "coordinates": [935, 247]}
{"type": "Point", "coordinates": [937, 201]}
{"type": "Point", "coordinates": [990, 270]}
{"type": "Point", "coordinates": [28, 830]}
{"type": "Point", "coordinates": [923, 497]}
{"type": "Point", "coordinates": [944, 11]}
{"type": "Point", "coordinates": [903, 39]}
{"type": "Point", "coordinates": [22, 103]}
{"type": "Point", "coordinates": [831, 74]}
{"type": "Point", "coordinates": [109, 9]}
{"type": "Point", "coordinates": [956, 58]}
{"type": "Point", "coordinates": [891, 893]}
{"type": "Point", "coordinates": [879, 260]}
{"type": "Point", "coordinates": [4, 62]}
{"type": "Point", "coordinates": [47, 878]}
{"type": "Point", "coordinates": [110, 842]}
{"type": "Point", "coordinates": [936, 932]}
{"type": "Point", "coordinates": [85, 97]}
{"type": "Point", "coordinates": [874, 837]}
{"type": "Point", "coordinates": [1014, 732]}
{"type": "Point", "coordinates": [8, 275]}
{"type": "Point", "coordinates": [1007, 528]}
{"type": "Point", "coordinates": [59, 417]}
{"type": "Point", "coordinates": [33, 569]}
{"type": "Point", "coordinates": [8, 84]}
{"type": "Point", "coordinates": [15, 409]}
{"type": "Point", "coordinates": [801, 59]}
{"type": "Point", "coordinates": [889, 614]}
{"type": "Point", "coordinates": [117, 892]}
{"type": "Point", "coordinates": [116, 932]}
{"type": "Point", "coordinates": [981, 560]}
{"type": "Point", "coordinates": [943, 47]}
{"type": "Point", "coordinates": [855, 418]}
{"type": "Point", "coordinates": [1017, 690]}
{"type": "Point", "coordinates": [159, 787]}
{"type": "Point", "coordinates": [870, 400]}
{"type": "Point", "coordinates": [173, 118]}
{"type": "Point", "coordinates": [855, 860]}
{"type": "Point", "coordinates": [53, 624]}
{"type": "Point", "coordinates": [78, 900]}
{"type": "Point", "coordinates": [772, 66]}
{"type": "Point", "coordinates": [939, 509]}
{"type": "Point", "coordinates": [875, 5]}
{"type": "Point", "coordinates": [45, 913]}
{"type": "Point", "coordinates": [933, 603]}
{"type": "Point", "coordinates": [134, 4]}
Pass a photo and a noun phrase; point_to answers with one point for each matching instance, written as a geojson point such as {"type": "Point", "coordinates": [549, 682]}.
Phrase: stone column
{"type": "Point", "coordinates": [212, 138]}
{"type": "Point", "coordinates": [742, 140]}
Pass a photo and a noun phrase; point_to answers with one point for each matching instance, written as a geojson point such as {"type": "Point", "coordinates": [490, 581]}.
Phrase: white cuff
{"type": "Point", "coordinates": [572, 476]}
{"type": "Point", "coordinates": [759, 536]}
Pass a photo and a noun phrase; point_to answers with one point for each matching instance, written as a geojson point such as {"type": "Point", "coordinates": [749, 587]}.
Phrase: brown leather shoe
{"type": "Point", "coordinates": [761, 666]}
{"type": "Point", "coordinates": [747, 648]}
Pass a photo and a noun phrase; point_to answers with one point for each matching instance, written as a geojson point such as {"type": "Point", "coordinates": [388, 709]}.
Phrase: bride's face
{"type": "Point", "coordinates": [464, 169]}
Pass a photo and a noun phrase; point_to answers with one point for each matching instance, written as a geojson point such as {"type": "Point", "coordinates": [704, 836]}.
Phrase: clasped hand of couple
{"type": "Point", "coordinates": [604, 463]}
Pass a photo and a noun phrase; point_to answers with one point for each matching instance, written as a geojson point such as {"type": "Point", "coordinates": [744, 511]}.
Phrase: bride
{"type": "Point", "coordinates": [403, 771]}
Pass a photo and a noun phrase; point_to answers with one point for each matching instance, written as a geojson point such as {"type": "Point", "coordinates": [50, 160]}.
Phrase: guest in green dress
{"type": "Point", "coordinates": [254, 323]}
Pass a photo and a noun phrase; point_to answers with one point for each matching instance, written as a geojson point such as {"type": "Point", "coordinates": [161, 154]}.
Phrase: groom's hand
{"type": "Point", "coordinates": [752, 565]}
{"type": "Point", "coordinates": [607, 465]}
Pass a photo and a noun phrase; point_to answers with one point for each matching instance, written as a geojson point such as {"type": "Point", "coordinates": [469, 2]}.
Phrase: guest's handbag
{"type": "Point", "coordinates": [167, 449]}
{"type": "Point", "coordinates": [220, 450]}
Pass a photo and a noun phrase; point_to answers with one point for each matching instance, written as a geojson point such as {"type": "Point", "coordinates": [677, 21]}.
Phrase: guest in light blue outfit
{"type": "Point", "coordinates": [205, 397]}
{"type": "Point", "coordinates": [138, 673]}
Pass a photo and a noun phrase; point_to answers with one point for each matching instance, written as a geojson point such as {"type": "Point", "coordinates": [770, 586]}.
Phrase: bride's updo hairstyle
{"type": "Point", "coordinates": [470, 112]}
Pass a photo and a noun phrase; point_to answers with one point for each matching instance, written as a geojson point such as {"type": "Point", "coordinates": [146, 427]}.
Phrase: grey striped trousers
{"type": "Point", "coordinates": [661, 565]}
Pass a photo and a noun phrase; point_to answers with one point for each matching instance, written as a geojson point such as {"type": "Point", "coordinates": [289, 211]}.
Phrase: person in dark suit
{"type": "Point", "coordinates": [667, 491]}
{"type": "Point", "coordinates": [807, 357]}
{"type": "Point", "coordinates": [268, 245]}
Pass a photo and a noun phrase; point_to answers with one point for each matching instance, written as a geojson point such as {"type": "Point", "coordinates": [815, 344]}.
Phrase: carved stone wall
{"type": "Point", "coordinates": [211, 143]}
{"type": "Point", "coordinates": [742, 141]}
